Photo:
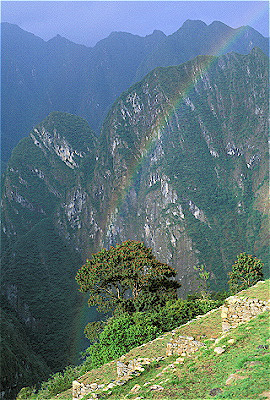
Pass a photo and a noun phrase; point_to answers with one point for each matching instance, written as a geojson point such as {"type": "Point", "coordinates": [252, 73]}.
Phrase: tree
{"type": "Point", "coordinates": [127, 278]}
{"type": "Point", "coordinates": [203, 277]}
{"type": "Point", "coordinates": [246, 271]}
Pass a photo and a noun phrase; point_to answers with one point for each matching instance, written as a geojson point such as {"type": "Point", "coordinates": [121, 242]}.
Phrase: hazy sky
{"type": "Point", "coordinates": [86, 22]}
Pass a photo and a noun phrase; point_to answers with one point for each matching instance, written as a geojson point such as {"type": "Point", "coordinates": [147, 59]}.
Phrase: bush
{"type": "Point", "coordinates": [124, 332]}
{"type": "Point", "coordinates": [182, 311]}
{"type": "Point", "coordinates": [119, 336]}
{"type": "Point", "coordinates": [25, 393]}
{"type": "Point", "coordinates": [58, 382]}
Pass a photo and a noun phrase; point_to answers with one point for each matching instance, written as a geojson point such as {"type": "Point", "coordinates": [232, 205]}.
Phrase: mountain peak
{"type": "Point", "coordinates": [193, 23]}
{"type": "Point", "coordinates": [58, 39]}
{"type": "Point", "coordinates": [218, 24]}
{"type": "Point", "coordinates": [157, 32]}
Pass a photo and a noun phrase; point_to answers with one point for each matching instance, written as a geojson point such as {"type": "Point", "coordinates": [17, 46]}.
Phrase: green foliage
{"type": "Point", "coordinates": [58, 382]}
{"type": "Point", "coordinates": [36, 269]}
{"type": "Point", "coordinates": [179, 312]}
{"type": "Point", "coordinates": [20, 364]}
{"type": "Point", "coordinates": [25, 393]}
{"type": "Point", "coordinates": [127, 331]}
{"type": "Point", "coordinates": [246, 271]}
{"type": "Point", "coordinates": [119, 336]}
{"type": "Point", "coordinates": [203, 277]}
{"type": "Point", "coordinates": [93, 329]}
{"type": "Point", "coordinates": [125, 277]}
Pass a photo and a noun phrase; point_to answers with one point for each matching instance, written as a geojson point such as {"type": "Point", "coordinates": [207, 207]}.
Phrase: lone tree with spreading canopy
{"type": "Point", "coordinates": [127, 278]}
{"type": "Point", "coordinates": [246, 271]}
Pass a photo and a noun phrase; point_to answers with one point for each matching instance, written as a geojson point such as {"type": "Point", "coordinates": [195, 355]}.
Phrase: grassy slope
{"type": "Point", "coordinates": [204, 371]}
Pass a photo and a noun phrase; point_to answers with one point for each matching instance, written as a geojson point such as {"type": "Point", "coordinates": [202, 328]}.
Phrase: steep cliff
{"type": "Point", "coordinates": [181, 164]}
{"type": "Point", "coordinates": [184, 164]}
{"type": "Point", "coordinates": [38, 261]}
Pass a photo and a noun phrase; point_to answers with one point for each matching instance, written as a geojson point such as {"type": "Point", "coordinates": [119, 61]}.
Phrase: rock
{"type": "Point", "coordinates": [93, 386]}
{"type": "Point", "coordinates": [232, 378]}
{"type": "Point", "coordinates": [253, 363]}
{"type": "Point", "coordinates": [157, 388]}
{"type": "Point", "coordinates": [180, 359]}
{"type": "Point", "coordinates": [215, 391]}
{"type": "Point", "coordinates": [135, 389]}
{"type": "Point", "coordinates": [224, 312]}
{"type": "Point", "coordinates": [225, 326]}
{"type": "Point", "coordinates": [231, 341]}
{"type": "Point", "coordinates": [219, 350]}
{"type": "Point", "coordinates": [120, 382]}
{"type": "Point", "coordinates": [111, 385]}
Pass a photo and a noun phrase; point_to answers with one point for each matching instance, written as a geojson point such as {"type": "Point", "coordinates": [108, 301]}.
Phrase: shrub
{"type": "Point", "coordinates": [126, 331]}
{"type": "Point", "coordinates": [25, 393]}
{"type": "Point", "coordinates": [58, 382]}
{"type": "Point", "coordinates": [119, 336]}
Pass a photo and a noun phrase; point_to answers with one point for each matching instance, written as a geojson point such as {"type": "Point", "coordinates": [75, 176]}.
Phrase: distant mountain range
{"type": "Point", "coordinates": [39, 77]}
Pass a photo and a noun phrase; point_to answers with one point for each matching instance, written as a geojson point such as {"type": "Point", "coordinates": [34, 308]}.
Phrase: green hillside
{"type": "Point", "coordinates": [240, 372]}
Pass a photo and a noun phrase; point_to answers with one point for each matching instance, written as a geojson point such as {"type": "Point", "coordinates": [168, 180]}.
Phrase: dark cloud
{"type": "Point", "coordinates": [87, 22]}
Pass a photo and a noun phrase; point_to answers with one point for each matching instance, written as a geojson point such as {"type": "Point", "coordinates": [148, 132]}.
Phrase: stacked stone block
{"type": "Point", "coordinates": [126, 370]}
{"type": "Point", "coordinates": [183, 346]}
{"type": "Point", "coordinates": [237, 310]}
{"type": "Point", "coordinates": [127, 367]}
{"type": "Point", "coordinates": [79, 389]}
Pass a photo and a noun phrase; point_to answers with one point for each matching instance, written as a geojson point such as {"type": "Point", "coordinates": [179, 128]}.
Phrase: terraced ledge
{"type": "Point", "coordinates": [156, 372]}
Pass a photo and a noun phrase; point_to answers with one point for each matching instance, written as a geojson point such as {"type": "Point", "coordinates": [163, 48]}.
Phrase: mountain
{"type": "Point", "coordinates": [20, 364]}
{"type": "Point", "coordinates": [196, 38]}
{"type": "Point", "coordinates": [39, 77]}
{"type": "Point", "coordinates": [181, 163]}
{"type": "Point", "coordinates": [38, 264]}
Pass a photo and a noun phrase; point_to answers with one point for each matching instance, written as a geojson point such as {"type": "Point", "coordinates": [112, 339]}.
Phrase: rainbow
{"type": "Point", "coordinates": [150, 141]}
{"type": "Point", "coordinates": [152, 137]}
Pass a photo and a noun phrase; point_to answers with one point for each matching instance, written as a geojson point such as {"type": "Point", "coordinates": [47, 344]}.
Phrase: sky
{"type": "Point", "coordinates": [87, 22]}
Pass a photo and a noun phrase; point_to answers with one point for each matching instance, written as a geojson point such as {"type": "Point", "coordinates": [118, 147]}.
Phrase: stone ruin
{"type": "Point", "coordinates": [182, 346]}
{"type": "Point", "coordinates": [237, 310]}
{"type": "Point", "coordinates": [126, 370]}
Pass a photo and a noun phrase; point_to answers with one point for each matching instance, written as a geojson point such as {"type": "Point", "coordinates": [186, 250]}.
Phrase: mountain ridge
{"type": "Point", "coordinates": [33, 88]}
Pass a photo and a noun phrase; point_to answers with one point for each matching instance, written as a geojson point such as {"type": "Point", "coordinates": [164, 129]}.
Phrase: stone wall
{"type": "Point", "coordinates": [128, 367]}
{"type": "Point", "coordinates": [237, 310]}
{"type": "Point", "coordinates": [79, 390]}
{"type": "Point", "coordinates": [126, 370]}
{"type": "Point", "coordinates": [182, 346]}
